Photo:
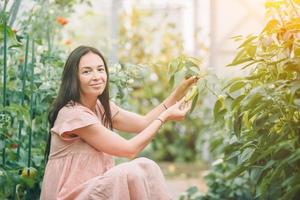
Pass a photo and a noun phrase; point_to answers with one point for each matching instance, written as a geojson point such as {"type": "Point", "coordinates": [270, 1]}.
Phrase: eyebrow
{"type": "Point", "coordinates": [89, 67]}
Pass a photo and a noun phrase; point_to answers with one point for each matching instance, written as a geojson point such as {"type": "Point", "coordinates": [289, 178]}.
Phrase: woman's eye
{"type": "Point", "coordinates": [85, 72]}
{"type": "Point", "coordinates": [100, 69]}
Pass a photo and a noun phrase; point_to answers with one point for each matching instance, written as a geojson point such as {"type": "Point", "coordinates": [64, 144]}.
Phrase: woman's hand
{"type": "Point", "coordinates": [177, 111]}
{"type": "Point", "coordinates": [183, 88]}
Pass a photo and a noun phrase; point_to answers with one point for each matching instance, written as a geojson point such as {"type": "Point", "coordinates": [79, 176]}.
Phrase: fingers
{"type": "Point", "coordinates": [190, 80]}
{"type": "Point", "coordinates": [185, 107]}
{"type": "Point", "coordinates": [195, 79]}
{"type": "Point", "coordinates": [188, 106]}
{"type": "Point", "coordinates": [181, 101]}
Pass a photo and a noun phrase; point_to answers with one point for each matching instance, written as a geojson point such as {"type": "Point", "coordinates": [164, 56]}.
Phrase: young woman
{"type": "Point", "coordinates": [82, 143]}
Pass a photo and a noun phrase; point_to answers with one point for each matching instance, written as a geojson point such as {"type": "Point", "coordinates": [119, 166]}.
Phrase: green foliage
{"type": "Point", "coordinates": [261, 111]}
{"type": "Point", "coordinates": [31, 78]}
{"type": "Point", "coordinates": [219, 187]}
{"type": "Point", "coordinates": [152, 85]}
{"type": "Point", "coordinates": [185, 67]}
{"type": "Point", "coordinates": [154, 50]}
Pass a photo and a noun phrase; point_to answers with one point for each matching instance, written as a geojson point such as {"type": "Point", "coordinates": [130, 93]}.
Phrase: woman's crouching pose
{"type": "Point", "coordinates": [82, 142]}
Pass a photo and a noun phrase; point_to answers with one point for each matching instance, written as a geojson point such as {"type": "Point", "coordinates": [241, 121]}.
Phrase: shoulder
{"type": "Point", "coordinates": [74, 107]}
{"type": "Point", "coordinates": [73, 116]}
{"type": "Point", "coordinates": [73, 110]}
{"type": "Point", "coordinates": [114, 108]}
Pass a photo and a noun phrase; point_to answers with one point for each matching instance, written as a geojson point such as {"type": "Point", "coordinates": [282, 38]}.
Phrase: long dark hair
{"type": "Point", "coordinates": [69, 90]}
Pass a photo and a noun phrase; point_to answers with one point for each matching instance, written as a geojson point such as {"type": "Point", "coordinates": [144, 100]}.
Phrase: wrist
{"type": "Point", "coordinates": [169, 101]}
{"type": "Point", "coordinates": [163, 116]}
{"type": "Point", "coordinates": [165, 106]}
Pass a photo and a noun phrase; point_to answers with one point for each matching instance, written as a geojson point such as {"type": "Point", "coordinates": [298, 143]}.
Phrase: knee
{"type": "Point", "coordinates": [134, 175]}
{"type": "Point", "coordinates": [146, 162]}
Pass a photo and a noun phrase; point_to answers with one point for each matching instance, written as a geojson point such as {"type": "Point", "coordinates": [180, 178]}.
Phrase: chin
{"type": "Point", "coordinates": [99, 93]}
{"type": "Point", "coordinates": [95, 94]}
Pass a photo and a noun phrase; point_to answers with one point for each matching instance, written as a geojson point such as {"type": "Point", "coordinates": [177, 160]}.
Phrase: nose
{"type": "Point", "coordinates": [96, 75]}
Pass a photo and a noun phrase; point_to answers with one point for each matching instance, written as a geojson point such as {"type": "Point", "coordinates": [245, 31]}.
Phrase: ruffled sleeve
{"type": "Point", "coordinates": [71, 118]}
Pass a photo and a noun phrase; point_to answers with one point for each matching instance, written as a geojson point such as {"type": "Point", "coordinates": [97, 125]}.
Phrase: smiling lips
{"type": "Point", "coordinates": [96, 85]}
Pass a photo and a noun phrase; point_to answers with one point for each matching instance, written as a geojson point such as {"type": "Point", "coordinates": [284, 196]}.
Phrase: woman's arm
{"type": "Point", "coordinates": [134, 123]}
{"type": "Point", "coordinates": [109, 142]}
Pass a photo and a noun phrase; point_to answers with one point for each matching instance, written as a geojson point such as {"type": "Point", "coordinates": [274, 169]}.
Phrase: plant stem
{"type": "Point", "coordinates": [31, 104]}
{"type": "Point", "coordinates": [14, 11]}
{"type": "Point", "coordinates": [4, 61]}
{"type": "Point", "coordinates": [5, 4]}
{"type": "Point", "coordinates": [211, 90]}
{"type": "Point", "coordinates": [24, 69]}
{"type": "Point", "coordinates": [4, 78]}
{"type": "Point", "coordinates": [48, 30]}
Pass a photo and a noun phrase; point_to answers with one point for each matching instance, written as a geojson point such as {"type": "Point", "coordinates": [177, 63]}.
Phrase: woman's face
{"type": "Point", "coordinates": [92, 75]}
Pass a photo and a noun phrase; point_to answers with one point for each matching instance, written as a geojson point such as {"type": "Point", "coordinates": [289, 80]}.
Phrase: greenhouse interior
{"type": "Point", "coordinates": [157, 99]}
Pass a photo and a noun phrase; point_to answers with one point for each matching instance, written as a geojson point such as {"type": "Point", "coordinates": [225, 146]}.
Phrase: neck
{"type": "Point", "coordinates": [89, 103]}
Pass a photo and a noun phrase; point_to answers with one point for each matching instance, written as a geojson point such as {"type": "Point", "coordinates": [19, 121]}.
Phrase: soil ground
{"type": "Point", "coordinates": [181, 176]}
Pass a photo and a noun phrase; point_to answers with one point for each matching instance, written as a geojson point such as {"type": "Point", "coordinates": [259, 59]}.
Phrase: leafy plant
{"type": "Point", "coordinates": [153, 85]}
{"type": "Point", "coordinates": [219, 187]}
{"type": "Point", "coordinates": [261, 109]}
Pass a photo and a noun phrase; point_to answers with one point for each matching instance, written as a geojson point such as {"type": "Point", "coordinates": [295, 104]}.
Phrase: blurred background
{"type": "Point", "coordinates": [197, 28]}
{"type": "Point", "coordinates": [244, 128]}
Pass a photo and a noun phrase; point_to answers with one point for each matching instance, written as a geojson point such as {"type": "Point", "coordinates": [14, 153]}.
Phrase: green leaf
{"type": "Point", "coordinates": [294, 157]}
{"type": "Point", "coordinates": [237, 171]}
{"type": "Point", "coordinates": [247, 41]}
{"type": "Point", "coordinates": [252, 100]}
{"type": "Point", "coordinates": [295, 87]}
{"type": "Point", "coordinates": [190, 64]}
{"type": "Point", "coordinates": [194, 103]}
{"type": "Point", "coordinates": [232, 81]}
{"type": "Point", "coordinates": [291, 193]}
{"type": "Point", "coordinates": [293, 180]}
{"type": "Point", "coordinates": [2, 144]}
{"type": "Point", "coordinates": [194, 60]}
{"type": "Point", "coordinates": [251, 51]}
{"type": "Point", "coordinates": [172, 80]}
{"type": "Point", "coordinates": [240, 58]}
{"type": "Point", "coordinates": [192, 190]}
{"type": "Point", "coordinates": [236, 101]}
{"type": "Point", "coordinates": [219, 106]}
{"type": "Point", "coordinates": [255, 174]}
{"type": "Point", "coordinates": [194, 70]}
{"type": "Point", "coordinates": [251, 63]}
{"type": "Point", "coordinates": [245, 155]}
{"type": "Point", "coordinates": [238, 62]}
{"type": "Point", "coordinates": [246, 120]}
{"type": "Point", "coordinates": [237, 124]}
{"type": "Point", "coordinates": [236, 86]}
{"type": "Point", "coordinates": [10, 35]}
{"type": "Point", "coordinates": [173, 66]}
{"type": "Point", "coordinates": [271, 26]}
{"type": "Point", "coordinates": [269, 164]}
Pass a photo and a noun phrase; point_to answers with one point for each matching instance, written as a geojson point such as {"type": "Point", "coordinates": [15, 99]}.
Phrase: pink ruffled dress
{"type": "Point", "coordinates": [77, 171]}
